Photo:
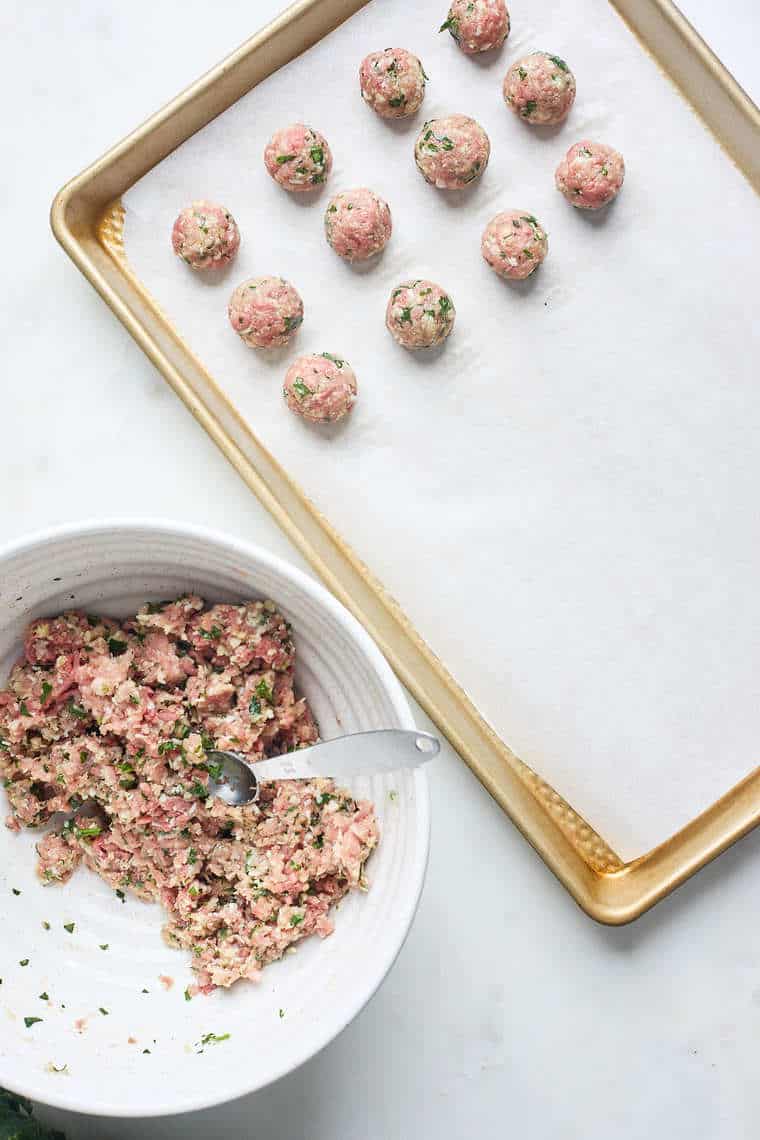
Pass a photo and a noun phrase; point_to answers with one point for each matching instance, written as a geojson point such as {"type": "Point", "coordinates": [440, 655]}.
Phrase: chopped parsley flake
{"type": "Point", "coordinates": [15, 890]}
{"type": "Point", "coordinates": [296, 919]}
{"type": "Point", "coordinates": [335, 359]}
{"type": "Point", "coordinates": [23, 708]}
{"type": "Point", "coordinates": [263, 691]}
{"type": "Point", "coordinates": [104, 945]}
{"type": "Point", "coordinates": [24, 962]}
{"type": "Point", "coordinates": [398, 101]}
{"type": "Point", "coordinates": [69, 926]}
{"type": "Point", "coordinates": [560, 63]}
{"type": "Point", "coordinates": [47, 689]}
{"type": "Point", "coordinates": [44, 996]}
{"type": "Point", "coordinates": [103, 1011]}
{"type": "Point", "coordinates": [446, 143]}
{"type": "Point", "coordinates": [88, 832]}
{"type": "Point", "coordinates": [30, 1021]}
{"type": "Point", "coordinates": [254, 708]}
{"type": "Point", "coordinates": [77, 710]}
{"type": "Point", "coordinates": [301, 389]}
{"type": "Point", "coordinates": [281, 1013]}
{"type": "Point", "coordinates": [120, 895]}
{"type": "Point", "coordinates": [211, 1039]}
{"type": "Point", "coordinates": [317, 155]}
{"type": "Point", "coordinates": [188, 995]}
{"type": "Point", "coordinates": [283, 158]}
{"type": "Point", "coordinates": [522, 73]}
{"type": "Point", "coordinates": [116, 647]}
{"type": "Point", "coordinates": [529, 108]}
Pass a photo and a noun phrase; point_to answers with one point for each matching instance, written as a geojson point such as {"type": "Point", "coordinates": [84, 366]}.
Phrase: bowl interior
{"type": "Point", "coordinates": [143, 1056]}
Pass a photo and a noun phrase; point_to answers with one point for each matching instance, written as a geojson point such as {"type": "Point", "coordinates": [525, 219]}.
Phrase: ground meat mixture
{"type": "Point", "coordinates": [420, 314]}
{"type": "Point", "coordinates": [320, 388]}
{"type": "Point", "coordinates": [590, 175]}
{"type": "Point", "coordinates": [514, 244]}
{"type": "Point", "coordinates": [540, 88]}
{"type": "Point", "coordinates": [113, 721]}
{"type": "Point", "coordinates": [265, 312]}
{"type": "Point", "coordinates": [477, 25]}
{"type": "Point", "coordinates": [205, 236]}
{"type": "Point", "coordinates": [358, 224]}
{"type": "Point", "coordinates": [452, 152]}
{"type": "Point", "coordinates": [298, 158]}
{"type": "Point", "coordinates": [392, 82]}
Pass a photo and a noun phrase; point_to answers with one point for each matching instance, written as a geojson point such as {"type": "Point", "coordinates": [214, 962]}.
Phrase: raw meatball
{"type": "Point", "coordinates": [514, 244]}
{"type": "Point", "coordinates": [205, 236]}
{"type": "Point", "coordinates": [265, 312]}
{"type": "Point", "coordinates": [540, 88]}
{"type": "Point", "coordinates": [358, 224]}
{"type": "Point", "coordinates": [590, 175]}
{"type": "Point", "coordinates": [451, 152]}
{"type": "Point", "coordinates": [320, 388]}
{"type": "Point", "coordinates": [392, 82]}
{"type": "Point", "coordinates": [419, 314]}
{"type": "Point", "coordinates": [478, 25]}
{"type": "Point", "coordinates": [298, 158]}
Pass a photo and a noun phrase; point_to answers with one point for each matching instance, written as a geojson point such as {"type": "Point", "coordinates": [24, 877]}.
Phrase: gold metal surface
{"type": "Point", "coordinates": [87, 219]}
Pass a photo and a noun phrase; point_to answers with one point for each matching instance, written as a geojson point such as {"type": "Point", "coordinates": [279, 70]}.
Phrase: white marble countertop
{"type": "Point", "coordinates": [528, 1019]}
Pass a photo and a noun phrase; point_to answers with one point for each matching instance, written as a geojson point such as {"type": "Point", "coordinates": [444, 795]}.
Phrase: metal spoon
{"type": "Point", "coordinates": [236, 781]}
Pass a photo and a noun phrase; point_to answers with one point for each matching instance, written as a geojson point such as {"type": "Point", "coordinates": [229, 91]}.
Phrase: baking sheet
{"type": "Point", "coordinates": [563, 499]}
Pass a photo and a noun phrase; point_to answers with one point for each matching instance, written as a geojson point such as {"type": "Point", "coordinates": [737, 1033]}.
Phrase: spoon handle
{"type": "Point", "coordinates": [386, 750]}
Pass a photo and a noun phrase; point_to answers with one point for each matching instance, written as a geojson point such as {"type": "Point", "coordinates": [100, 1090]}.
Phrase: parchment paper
{"type": "Point", "coordinates": [565, 498]}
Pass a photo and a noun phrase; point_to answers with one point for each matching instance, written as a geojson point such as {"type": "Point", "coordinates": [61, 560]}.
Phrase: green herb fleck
{"type": "Point", "coordinates": [24, 962]}
{"type": "Point", "coordinates": [296, 919]}
{"type": "Point", "coordinates": [103, 1011]}
{"type": "Point", "coordinates": [254, 707]}
{"type": "Point", "coordinates": [46, 925]}
{"type": "Point", "coordinates": [15, 891]}
{"type": "Point", "coordinates": [560, 63]}
{"type": "Point", "coordinates": [335, 359]}
{"type": "Point", "coordinates": [522, 73]}
{"type": "Point", "coordinates": [24, 708]}
{"type": "Point", "coordinates": [283, 158]}
{"type": "Point", "coordinates": [446, 143]}
{"type": "Point", "coordinates": [70, 925]}
{"type": "Point", "coordinates": [263, 690]}
{"type": "Point", "coordinates": [120, 894]}
{"type": "Point", "coordinates": [406, 315]}
{"type": "Point", "coordinates": [44, 996]}
{"type": "Point", "coordinates": [398, 101]}
{"type": "Point", "coordinates": [30, 1021]}
{"type": "Point", "coordinates": [281, 1013]}
{"type": "Point", "coordinates": [317, 155]}
{"type": "Point", "coordinates": [77, 710]}
{"type": "Point", "coordinates": [104, 945]}
{"type": "Point", "coordinates": [47, 689]}
{"type": "Point", "coordinates": [88, 832]}
{"type": "Point", "coordinates": [605, 171]}
{"type": "Point", "coordinates": [529, 108]}
{"type": "Point", "coordinates": [116, 647]}
{"type": "Point", "coordinates": [192, 856]}
{"type": "Point", "coordinates": [301, 389]}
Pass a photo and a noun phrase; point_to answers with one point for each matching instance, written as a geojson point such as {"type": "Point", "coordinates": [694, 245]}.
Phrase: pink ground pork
{"type": "Point", "coordinates": [113, 721]}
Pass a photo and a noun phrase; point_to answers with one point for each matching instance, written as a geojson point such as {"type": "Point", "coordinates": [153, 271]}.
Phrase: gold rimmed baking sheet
{"type": "Point", "coordinates": [87, 219]}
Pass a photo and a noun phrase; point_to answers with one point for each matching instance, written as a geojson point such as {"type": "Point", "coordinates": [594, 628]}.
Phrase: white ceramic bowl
{"type": "Point", "coordinates": [302, 1002]}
